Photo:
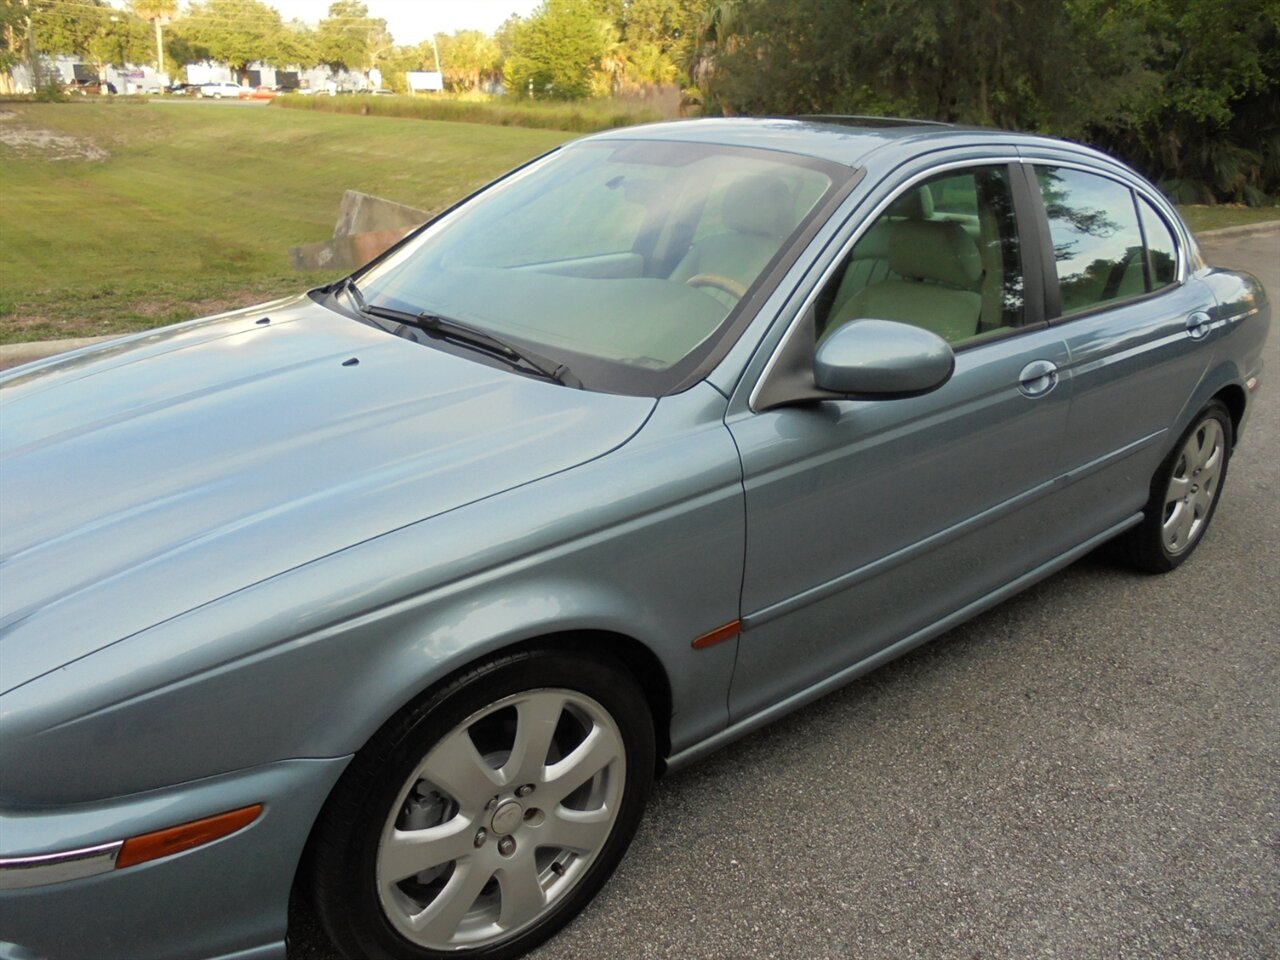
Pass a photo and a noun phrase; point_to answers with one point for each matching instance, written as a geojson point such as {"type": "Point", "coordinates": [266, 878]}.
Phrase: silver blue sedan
{"type": "Point", "coordinates": [399, 594]}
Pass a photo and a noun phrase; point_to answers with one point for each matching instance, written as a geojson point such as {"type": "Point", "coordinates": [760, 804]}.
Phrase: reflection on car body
{"type": "Point", "coordinates": [399, 594]}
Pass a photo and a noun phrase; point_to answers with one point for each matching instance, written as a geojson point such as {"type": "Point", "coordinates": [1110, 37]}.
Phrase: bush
{"type": "Point", "coordinates": [586, 116]}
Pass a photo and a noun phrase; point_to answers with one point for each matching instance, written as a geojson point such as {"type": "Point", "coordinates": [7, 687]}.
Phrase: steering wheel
{"type": "Point", "coordinates": [718, 280]}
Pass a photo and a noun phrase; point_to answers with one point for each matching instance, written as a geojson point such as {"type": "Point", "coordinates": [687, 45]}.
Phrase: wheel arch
{"type": "Point", "coordinates": [1235, 400]}
{"type": "Point", "coordinates": [630, 653]}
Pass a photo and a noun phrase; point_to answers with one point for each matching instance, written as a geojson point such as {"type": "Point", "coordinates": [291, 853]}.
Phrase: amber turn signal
{"type": "Point", "coordinates": [164, 843]}
{"type": "Point", "coordinates": [718, 635]}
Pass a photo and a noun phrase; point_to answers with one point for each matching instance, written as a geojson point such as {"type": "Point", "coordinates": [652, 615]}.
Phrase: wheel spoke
{"type": "Point", "coordinates": [522, 895]}
{"type": "Point", "coordinates": [1173, 522]}
{"type": "Point", "coordinates": [440, 920]}
{"type": "Point", "coordinates": [456, 767]}
{"type": "Point", "coordinates": [406, 852]}
{"type": "Point", "coordinates": [1178, 488]}
{"type": "Point", "coordinates": [593, 754]}
{"type": "Point", "coordinates": [536, 719]}
{"type": "Point", "coordinates": [579, 831]}
{"type": "Point", "coordinates": [1182, 530]}
{"type": "Point", "coordinates": [1210, 444]}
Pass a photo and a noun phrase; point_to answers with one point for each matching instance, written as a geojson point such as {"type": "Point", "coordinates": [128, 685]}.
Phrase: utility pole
{"type": "Point", "coordinates": [159, 49]}
{"type": "Point", "coordinates": [33, 58]}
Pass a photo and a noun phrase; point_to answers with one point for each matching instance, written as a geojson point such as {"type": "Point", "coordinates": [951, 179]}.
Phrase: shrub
{"type": "Point", "coordinates": [586, 116]}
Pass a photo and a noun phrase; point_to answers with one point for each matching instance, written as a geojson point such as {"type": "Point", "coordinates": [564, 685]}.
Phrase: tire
{"type": "Point", "coordinates": [477, 784]}
{"type": "Point", "coordinates": [1184, 494]}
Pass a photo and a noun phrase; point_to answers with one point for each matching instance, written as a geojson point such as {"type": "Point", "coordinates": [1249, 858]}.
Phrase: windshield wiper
{"type": "Point", "coordinates": [348, 286]}
{"type": "Point", "coordinates": [455, 331]}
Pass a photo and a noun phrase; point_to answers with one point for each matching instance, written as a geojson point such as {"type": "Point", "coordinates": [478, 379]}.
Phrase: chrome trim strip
{"type": "Point", "coordinates": [34, 871]}
{"type": "Point", "coordinates": [866, 223]}
{"type": "Point", "coordinates": [804, 697]}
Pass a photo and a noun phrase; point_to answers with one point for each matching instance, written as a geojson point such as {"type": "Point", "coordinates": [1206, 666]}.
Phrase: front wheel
{"type": "Point", "coordinates": [482, 819]}
{"type": "Point", "coordinates": [1184, 494]}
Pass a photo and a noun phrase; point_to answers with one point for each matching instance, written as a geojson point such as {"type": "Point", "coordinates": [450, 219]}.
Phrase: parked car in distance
{"type": "Point", "coordinates": [398, 594]}
{"type": "Point", "coordinates": [260, 92]}
{"type": "Point", "coordinates": [89, 87]}
{"type": "Point", "coordinates": [219, 89]}
{"type": "Point", "coordinates": [183, 89]}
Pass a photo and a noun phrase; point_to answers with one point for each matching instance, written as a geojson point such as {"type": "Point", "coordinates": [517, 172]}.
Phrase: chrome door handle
{"type": "Point", "coordinates": [1037, 378]}
{"type": "Point", "coordinates": [1198, 325]}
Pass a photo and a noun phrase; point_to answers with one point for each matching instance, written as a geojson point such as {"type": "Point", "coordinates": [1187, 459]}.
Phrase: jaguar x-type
{"type": "Point", "coordinates": [400, 593]}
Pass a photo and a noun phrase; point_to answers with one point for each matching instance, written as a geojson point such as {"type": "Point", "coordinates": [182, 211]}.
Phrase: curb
{"type": "Point", "coordinates": [15, 353]}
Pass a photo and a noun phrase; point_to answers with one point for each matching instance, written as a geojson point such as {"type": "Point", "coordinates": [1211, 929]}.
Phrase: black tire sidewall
{"type": "Point", "coordinates": [349, 904]}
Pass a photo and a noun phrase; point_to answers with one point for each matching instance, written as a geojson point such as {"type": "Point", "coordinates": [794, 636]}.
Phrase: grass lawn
{"type": "Point", "coordinates": [1201, 218]}
{"type": "Point", "coordinates": [196, 204]}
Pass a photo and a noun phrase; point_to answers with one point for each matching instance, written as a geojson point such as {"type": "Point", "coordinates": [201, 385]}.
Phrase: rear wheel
{"type": "Point", "coordinates": [482, 819]}
{"type": "Point", "coordinates": [1184, 494]}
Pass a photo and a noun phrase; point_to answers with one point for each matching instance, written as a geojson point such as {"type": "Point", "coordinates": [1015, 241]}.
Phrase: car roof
{"type": "Point", "coordinates": [845, 140]}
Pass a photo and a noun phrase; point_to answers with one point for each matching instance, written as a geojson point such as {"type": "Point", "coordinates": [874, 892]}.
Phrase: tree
{"type": "Point", "coordinates": [92, 31]}
{"type": "Point", "coordinates": [1208, 126]}
{"type": "Point", "coordinates": [348, 38]}
{"type": "Point", "coordinates": [468, 59]}
{"type": "Point", "coordinates": [13, 36]}
{"type": "Point", "coordinates": [555, 51]}
{"type": "Point", "coordinates": [299, 45]}
{"type": "Point", "coordinates": [236, 32]}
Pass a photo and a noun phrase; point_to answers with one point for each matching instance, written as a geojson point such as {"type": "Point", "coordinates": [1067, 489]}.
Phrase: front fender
{"type": "Point", "coordinates": [646, 542]}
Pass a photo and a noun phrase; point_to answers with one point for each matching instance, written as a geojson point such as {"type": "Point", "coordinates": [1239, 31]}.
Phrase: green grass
{"type": "Point", "coordinates": [1201, 218]}
{"type": "Point", "coordinates": [197, 205]}
{"type": "Point", "coordinates": [585, 116]}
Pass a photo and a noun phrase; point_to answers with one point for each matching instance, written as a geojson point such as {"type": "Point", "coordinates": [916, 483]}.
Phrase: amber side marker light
{"type": "Point", "coordinates": [165, 843]}
{"type": "Point", "coordinates": [718, 635]}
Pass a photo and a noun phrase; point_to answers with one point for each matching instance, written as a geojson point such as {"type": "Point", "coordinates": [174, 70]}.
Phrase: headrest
{"type": "Point", "coordinates": [934, 250]}
{"type": "Point", "coordinates": [915, 204]}
{"type": "Point", "coordinates": [760, 204]}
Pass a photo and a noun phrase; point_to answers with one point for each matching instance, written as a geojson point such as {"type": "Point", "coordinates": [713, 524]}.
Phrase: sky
{"type": "Point", "coordinates": [411, 21]}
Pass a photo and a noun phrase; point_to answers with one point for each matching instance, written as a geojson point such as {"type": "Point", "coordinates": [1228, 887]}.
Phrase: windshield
{"type": "Point", "coordinates": [622, 259]}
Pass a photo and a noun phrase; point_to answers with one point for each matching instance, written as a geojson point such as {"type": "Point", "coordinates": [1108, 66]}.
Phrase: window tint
{"type": "Point", "coordinates": [1160, 246]}
{"type": "Point", "coordinates": [944, 256]}
{"type": "Point", "coordinates": [1096, 241]}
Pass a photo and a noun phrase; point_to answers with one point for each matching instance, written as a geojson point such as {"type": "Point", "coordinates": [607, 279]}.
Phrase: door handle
{"type": "Point", "coordinates": [1198, 325]}
{"type": "Point", "coordinates": [1037, 378]}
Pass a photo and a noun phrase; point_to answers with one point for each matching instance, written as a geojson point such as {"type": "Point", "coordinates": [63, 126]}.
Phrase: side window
{"type": "Point", "coordinates": [944, 256]}
{"type": "Point", "coordinates": [1161, 247]}
{"type": "Point", "coordinates": [1097, 244]}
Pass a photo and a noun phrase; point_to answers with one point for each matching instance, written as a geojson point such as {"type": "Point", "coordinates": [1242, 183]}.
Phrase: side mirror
{"type": "Point", "coordinates": [881, 359]}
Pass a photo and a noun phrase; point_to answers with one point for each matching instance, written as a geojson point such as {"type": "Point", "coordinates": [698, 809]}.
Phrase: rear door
{"type": "Point", "coordinates": [1137, 328]}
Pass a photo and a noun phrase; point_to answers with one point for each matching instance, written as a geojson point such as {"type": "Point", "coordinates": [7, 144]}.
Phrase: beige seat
{"type": "Point", "coordinates": [869, 262]}
{"type": "Point", "coordinates": [759, 214]}
{"type": "Point", "coordinates": [938, 269]}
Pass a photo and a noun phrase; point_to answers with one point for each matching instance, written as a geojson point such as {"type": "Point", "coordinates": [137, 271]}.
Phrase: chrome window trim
{"type": "Point", "coordinates": [849, 244]}
{"type": "Point", "coordinates": [17, 873]}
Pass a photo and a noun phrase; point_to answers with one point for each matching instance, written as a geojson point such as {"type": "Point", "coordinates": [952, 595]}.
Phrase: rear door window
{"type": "Point", "coordinates": [1097, 243]}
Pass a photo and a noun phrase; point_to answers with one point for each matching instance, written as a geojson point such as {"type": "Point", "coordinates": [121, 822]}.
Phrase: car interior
{"type": "Point", "coordinates": [944, 257]}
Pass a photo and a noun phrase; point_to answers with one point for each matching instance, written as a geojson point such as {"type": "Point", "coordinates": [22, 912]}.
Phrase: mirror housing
{"type": "Point", "coordinates": [882, 359]}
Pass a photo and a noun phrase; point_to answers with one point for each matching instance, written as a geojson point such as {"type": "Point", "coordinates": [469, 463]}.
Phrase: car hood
{"type": "Point", "coordinates": [145, 477]}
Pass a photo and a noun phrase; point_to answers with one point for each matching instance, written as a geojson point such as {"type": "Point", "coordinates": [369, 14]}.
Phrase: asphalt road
{"type": "Point", "coordinates": [1091, 770]}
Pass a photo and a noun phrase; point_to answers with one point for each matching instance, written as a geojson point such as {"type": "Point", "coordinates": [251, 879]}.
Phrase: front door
{"type": "Point", "coordinates": [869, 522]}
